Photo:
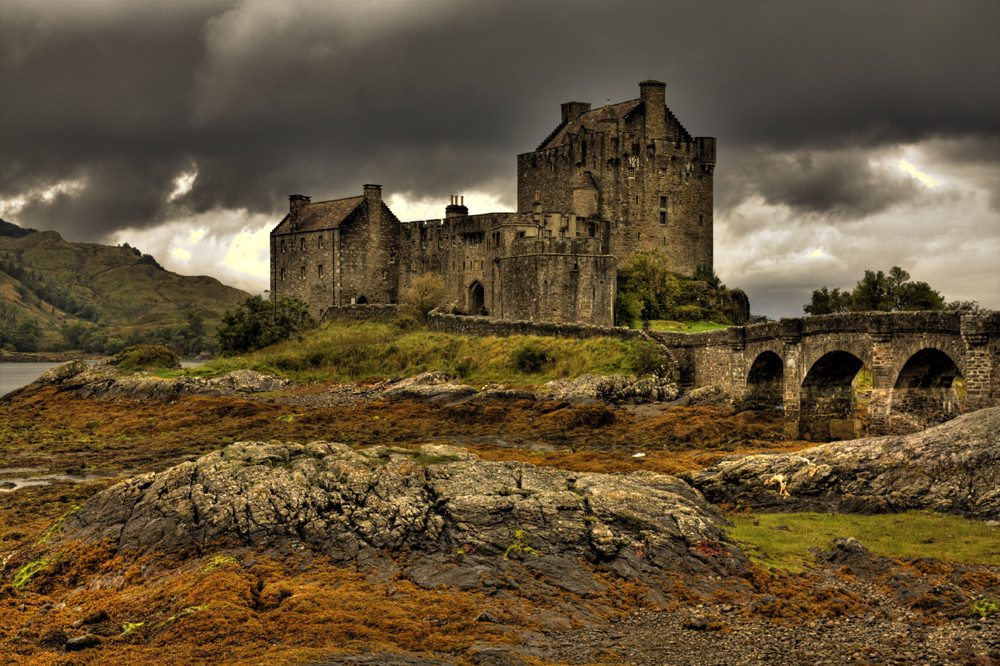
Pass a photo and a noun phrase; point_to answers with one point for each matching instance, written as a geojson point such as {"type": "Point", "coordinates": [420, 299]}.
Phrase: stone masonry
{"type": "Point", "coordinates": [604, 185]}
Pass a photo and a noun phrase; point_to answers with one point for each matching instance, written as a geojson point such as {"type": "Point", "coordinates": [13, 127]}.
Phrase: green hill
{"type": "Point", "coordinates": [125, 293]}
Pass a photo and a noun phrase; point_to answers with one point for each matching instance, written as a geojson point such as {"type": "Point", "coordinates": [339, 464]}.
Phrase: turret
{"type": "Point", "coordinates": [654, 102]}
{"type": "Point", "coordinates": [573, 110]}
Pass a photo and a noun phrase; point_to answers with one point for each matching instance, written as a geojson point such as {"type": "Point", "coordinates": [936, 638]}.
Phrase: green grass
{"type": "Point", "coordinates": [914, 534]}
{"type": "Point", "coordinates": [353, 351]}
{"type": "Point", "coordinates": [685, 326]}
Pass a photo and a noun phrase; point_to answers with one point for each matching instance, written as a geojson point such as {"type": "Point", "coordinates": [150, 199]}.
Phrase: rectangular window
{"type": "Point", "coordinates": [663, 217]}
{"type": "Point", "coordinates": [663, 202]}
{"type": "Point", "coordinates": [319, 270]}
{"type": "Point", "coordinates": [302, 243]}
{"type": "Point", "coordinates": [282, 246]}
{"type": "Point", "coordinates": [282, 274]}
{"type": "Point", "coordinates": [302, 272]}
{"type": "Point", "coordinates": [320, 241]}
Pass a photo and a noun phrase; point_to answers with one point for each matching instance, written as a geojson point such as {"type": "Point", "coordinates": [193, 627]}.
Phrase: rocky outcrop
{"type": "Point", "coordinates": [461, 521]}
{"type": "Point", "coordinates": [951, 468]}
{"type": "Point", "coordinates": [104, 381]}
{"type": "Point", "coordinates": [612, 388]}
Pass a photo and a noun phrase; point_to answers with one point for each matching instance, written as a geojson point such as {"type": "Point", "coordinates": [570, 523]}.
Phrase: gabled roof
{"type": "Point", "coordinates": [590, 121]}
{"type": "Point", "coordinates": [319, 215]}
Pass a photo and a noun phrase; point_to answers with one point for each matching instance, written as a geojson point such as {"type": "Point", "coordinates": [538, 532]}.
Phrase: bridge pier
{"type": "Point", "coordinates": [790, 334]}
{"type": "Point", "coordinates": [882, 360]}
{"type": "Point", "coordinates": [982, 359]}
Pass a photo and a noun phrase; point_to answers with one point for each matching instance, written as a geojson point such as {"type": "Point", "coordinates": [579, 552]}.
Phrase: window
{"type": "Point", "coordinates": [663, 217]}
{"type": "Point", "coordinates": [320, 241]}
{"type": "Point", "coordinates": [282, 246]}
{"type": "Point", "coordinates": [302, 272]}
{"type": "Point", "coordinates": [319, 271]}
{"type": "Point", "coordinates": [302, 243]}
{"type": "Point", "coordinates": [282, 274]}
{"type": "Point", "coordinates": [664, 204]}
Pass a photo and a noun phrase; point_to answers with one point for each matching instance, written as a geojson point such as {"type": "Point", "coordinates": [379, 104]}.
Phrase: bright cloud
{"type": "Point", "coordinates": [908, 168]}
{"type": "Point", "coordinates": [183, 184]}
{"type": "Point", "coordinates": [180, 253]}
{"type": "Point", "coordinates": [431, 208]}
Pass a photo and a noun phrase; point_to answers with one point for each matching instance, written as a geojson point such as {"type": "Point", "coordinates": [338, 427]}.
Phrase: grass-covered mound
{"type": "Point", "coordinates": [355, 351]}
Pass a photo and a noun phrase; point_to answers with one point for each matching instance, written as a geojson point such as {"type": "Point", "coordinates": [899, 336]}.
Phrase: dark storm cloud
{"type": "Point", "coordinates": [842, 185]}
{"type": "Point", "coordinates": [437, 97]}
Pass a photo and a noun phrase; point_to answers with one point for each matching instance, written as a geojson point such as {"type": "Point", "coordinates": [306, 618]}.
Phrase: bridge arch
{"type": "Point", "coordinates": [924, 392]}
{"type": "Point", "coordinates": [765, 382]}
{"type": "Point", "coordinates": [827, 400]}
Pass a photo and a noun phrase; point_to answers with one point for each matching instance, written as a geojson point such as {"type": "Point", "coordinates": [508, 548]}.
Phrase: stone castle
{"type": "Point", "coordinates": [606, 184]}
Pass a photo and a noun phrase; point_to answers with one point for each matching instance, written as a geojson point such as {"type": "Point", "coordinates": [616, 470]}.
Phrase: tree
{"type": "Point", "coordinates": [877, 291]}
{"type": "Point", "coordinates": [25, 337]}
{"type": "Point", "coordinates": [425, 293]}
{"type": "Point", "coordinates": [828, 302]}
{"type": "Point", "coordinates": [258, 323]}
{"type": "Point", "coordinates": [647, 289]}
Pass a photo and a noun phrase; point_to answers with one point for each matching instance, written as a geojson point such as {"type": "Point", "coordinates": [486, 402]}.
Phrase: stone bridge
{"type": "Point", "coordinates": [808, 368]}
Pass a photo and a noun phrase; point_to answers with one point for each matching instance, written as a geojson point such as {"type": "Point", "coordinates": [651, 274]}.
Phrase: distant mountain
{"type": "Point", "coordinates": [60, 283]}
{"type": "Point", "coordinates": [13, 231]}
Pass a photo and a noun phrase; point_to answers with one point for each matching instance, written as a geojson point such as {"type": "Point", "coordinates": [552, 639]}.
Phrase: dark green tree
{"type": "Point", "coordinates": [257, 323]}
{"type": "Point", "coordinates": [877, 291]}
{"type": "Point", "coordinates": [26, 335]}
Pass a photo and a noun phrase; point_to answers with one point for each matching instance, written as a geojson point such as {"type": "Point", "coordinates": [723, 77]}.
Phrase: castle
{"type": "Point", "coordinates": [606, 184]}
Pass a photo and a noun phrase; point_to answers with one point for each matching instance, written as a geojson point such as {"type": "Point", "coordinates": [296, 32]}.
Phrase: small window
{"type": "Point", "coordinates": [663, 202]}
{"type": "Point", "coordinates": [282, 274]}
{"type": "Point", "coordinates": [282, 246]}
{"type": "Point", "coordinates": [302, 272]}
{"type": "Point", "coordinates": [319, 270]}
{"type": "Point", "coordinates": [663, 217]}
{"type": "Point", "coordinates": [302, 243]}
{"type": "Point", "coordinates": [320, 241]}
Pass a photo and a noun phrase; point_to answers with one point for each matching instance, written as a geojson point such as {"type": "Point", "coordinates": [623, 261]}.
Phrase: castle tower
{"type": "Point", "coordinates": [653, 180]}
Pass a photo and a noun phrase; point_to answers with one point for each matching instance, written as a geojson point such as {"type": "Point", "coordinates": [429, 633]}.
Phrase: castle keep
{"type": "Point", "coordinates": [604, 185]}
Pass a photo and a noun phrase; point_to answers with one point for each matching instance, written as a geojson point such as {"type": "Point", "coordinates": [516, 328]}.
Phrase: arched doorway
{"type": "Point", "coordinates": [765, 382]}
{"type": "Point", "coordinates": [362, 300]}
{"type": "Point", "coordinates": [926, 392]}
{"type": "Point", "coordinates": [827, 400]}
{"type": "Point", "coordinates": [477, 299]}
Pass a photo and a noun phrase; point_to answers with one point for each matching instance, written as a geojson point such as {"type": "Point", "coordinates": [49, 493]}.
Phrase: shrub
{"type": "Point", "coordinates": [425, 293]}
{"type": "Point", "coordinates": [143, 357]}
{"type": "Point", "coordinates": [531, 358]}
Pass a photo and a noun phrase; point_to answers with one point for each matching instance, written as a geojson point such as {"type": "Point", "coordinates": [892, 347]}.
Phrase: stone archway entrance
{"type": "Point", "coordinates": [362, 300]}
{"type": "Point", "coordinates": [477, 299]}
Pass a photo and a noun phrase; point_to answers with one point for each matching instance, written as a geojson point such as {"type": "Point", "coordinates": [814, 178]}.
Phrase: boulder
{"type": "Point", "coordinates": [612, 388]}
{"type": "Point", "coordinates": [951, 468]}
{"type": "Point", "coordinates": [462, 521]}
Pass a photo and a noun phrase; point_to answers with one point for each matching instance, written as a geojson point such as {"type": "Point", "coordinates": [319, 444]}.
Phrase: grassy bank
{"type": "Point", "coordinates": [781, 541]}
{"type": "Point", "coordinates": [357, 351]}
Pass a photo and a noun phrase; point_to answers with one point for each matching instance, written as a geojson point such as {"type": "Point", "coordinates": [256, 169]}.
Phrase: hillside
{"type": "Point", "coordinates": [118, 288]}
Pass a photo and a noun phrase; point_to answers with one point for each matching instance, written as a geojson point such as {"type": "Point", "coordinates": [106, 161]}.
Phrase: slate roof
{"type": "Point", "coordinates": [590, 121]}
{"type": "Point", "coordinates": [320, 215]}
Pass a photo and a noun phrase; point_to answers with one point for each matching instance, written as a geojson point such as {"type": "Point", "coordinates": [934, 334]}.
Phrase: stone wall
{"type": "Point", "coordinates": [488, 326]}
{"type": "Point", "coordinates": [371, 312]}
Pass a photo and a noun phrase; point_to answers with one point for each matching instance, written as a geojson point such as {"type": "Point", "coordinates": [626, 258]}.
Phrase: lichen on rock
{"type": "Point", "coordinates": [460, 520]}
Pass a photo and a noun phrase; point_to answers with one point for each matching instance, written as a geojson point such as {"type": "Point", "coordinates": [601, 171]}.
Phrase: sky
{"type": "Point", "coordinates": [852, 135]}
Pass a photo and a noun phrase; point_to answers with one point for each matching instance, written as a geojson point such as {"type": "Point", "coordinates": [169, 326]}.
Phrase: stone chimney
{"type": "Point", "coordinates": [295, 204]}
{"type": "Point", "coordinates": [573, 110]}
{"type": "Point", "coordinates": [457, 207]}
{"type": "Point", "coordinates": [654, 102]}
{"type": "Point", "coordinates": [373, 193]}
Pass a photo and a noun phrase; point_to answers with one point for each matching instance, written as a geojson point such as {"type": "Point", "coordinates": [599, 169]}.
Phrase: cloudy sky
{"type": "Point", "coordinates": [852, 134]}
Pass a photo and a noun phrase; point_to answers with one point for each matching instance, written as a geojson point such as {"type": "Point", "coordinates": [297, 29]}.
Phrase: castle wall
{"type": "Point", "coordinates": [367, 254]}
{"type": "Point", "coordinates": [302, 265]}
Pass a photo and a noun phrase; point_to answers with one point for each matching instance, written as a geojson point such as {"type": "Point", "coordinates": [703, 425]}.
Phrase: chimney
{"type": "Point", "coordinates": [573, 110]}
{"type": "Point", "coordinates": [457, 207]}
{"type": "Point", "coordinates": [373, 193]}
{"type": "Point", "coordinates": [295, 204]}
{"type": "Point", "coordinates": [654, 102]}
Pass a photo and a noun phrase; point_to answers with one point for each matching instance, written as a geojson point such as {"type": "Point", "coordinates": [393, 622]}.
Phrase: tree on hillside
{"type": "Point", "coordinates": [877, 291]}
{"type": "Point", "coordinates": [26, 335]}
{"type": "Point", "coordinates": [257, 323]}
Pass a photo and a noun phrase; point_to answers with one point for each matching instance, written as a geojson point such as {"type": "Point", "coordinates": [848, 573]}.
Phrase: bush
{"type": "Point", "coordinates": [144, 357]}
{"type": "Point", "coordinates": [425, 293]}
{"type": "Point", "coordinates": [531, 358]}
